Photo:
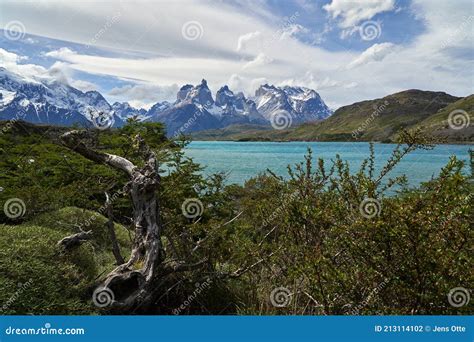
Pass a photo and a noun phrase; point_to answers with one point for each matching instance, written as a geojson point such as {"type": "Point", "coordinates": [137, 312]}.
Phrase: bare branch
{"type": "Point", "coordinates": [73, 140]}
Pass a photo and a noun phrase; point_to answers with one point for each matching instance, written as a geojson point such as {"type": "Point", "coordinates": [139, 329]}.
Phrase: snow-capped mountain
{"type": "Point", "coordinates": [303, 104]}
{"type": "Point", "coordinates": [195, 109]}
{"type": "Point", "coordinates": [41, 100]}
{"type": "Point", "coordinates": [124, 111]}
{"type": "Point", "coordinates": [49, 102]}
{"type": "Point", "coordinates": [236, 105]}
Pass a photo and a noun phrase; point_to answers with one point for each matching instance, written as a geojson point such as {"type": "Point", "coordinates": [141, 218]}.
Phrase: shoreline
{"type": "Point", "coordinates": [467, 143]}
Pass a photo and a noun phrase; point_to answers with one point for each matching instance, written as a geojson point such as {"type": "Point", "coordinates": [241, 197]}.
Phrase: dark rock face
{"type": "Point", "coordinates": [51, 102]}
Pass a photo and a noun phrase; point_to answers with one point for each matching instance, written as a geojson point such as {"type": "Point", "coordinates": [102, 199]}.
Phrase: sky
{"type": "Point", "coordinates": [142, 52]}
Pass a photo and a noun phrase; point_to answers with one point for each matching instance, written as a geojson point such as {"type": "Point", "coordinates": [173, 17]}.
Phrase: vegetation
{"type": "Point", "coordinates": [374, 120]}
{"type": "Point", "coordinates": [324, 241]}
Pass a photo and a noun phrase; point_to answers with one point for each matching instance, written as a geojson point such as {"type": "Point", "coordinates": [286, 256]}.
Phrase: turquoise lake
{"type": "Point", "coordinates": [243, 160]}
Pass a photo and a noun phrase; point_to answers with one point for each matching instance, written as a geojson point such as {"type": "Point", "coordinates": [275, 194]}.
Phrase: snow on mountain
{"type": "Point", "coordinates": [33, 101]}
{"type": "Point", "coordinates": [45, 101]}
{"type": "Point", "coordinates": [124, 111]}
{"type": "Point", "coordinates": [195, 109]}
{"type": "Point", "coordinates": [303, 104]}
{"type": "Point", "coordinates": [41, 100]}
{"type": "Point", "coordinates": [6, 97]}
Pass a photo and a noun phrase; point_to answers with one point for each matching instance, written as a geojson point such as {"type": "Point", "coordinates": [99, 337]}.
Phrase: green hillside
{"type": "Point", "coordinates": [462, 120]}
{"type": "Point", "coordinates": [374, 120]}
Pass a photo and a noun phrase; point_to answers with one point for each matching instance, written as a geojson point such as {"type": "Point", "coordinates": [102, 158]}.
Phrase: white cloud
{"type": "Point", "coordinates": [376, 52]}
{"type": "Point", "coordinates": [244, 39]}
{"type": "Point", "coordinates": [7, 57]}
{"type": "Point", "coordinates": [260, 60]}
{"type": "Point", "coordinates": [62, 53]}
{"type": "Point", "coordinates": [144, 95]}
{"type": "Point", "coordinates": [61, 72]}
{"type": "Point", "coordinates": [134, 46]}
{"type": "Point", "coordinates": [244, 84]}
{"type": "Point", "coordinates": [12, 62]}
{"type": "Point", "coordinates": [292, 30]}
{"type": "Point", "coordinates": [353, 12]}
{"type": "Point", "coordinates": [84, 85]}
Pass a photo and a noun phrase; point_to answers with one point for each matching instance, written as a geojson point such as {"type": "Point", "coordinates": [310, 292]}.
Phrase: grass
{"type": "Point", "coordinates": [31, 283]}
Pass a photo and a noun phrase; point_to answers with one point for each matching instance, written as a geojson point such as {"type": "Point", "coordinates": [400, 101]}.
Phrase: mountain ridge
{"type": "Point", "coordinates": [371, 120]}
{"type": "Point", "coordinates": [51, 102]}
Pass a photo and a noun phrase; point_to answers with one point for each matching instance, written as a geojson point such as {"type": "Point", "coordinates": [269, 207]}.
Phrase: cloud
{"type": "Point", "coordinates": [260, 60]}
{"type": "Point", "coordinates": [62, 53]}
{"type": "Point", "coordinates": [244, 39]}
{"type": "Point", "coordinates": [353, 12]}
{"type": "Point", "coordinates": [136, 48]}
{"type": "Point", "coordinates": [12, 62]}
{"type": "Point", "coordinates": [244, 84]}
{"type": "Point", "coordinates": [61, 72]}
{"type": "Point", "coordinates": [84, 85]}
{"type": "Point", "coordinates": [9, 58]}
{"type": "Point", "coordinates": [293, 30]}
{"type": "Point", "coordinates": [376, 52]}
{"type": "Point", "coordinates": [144, 95]}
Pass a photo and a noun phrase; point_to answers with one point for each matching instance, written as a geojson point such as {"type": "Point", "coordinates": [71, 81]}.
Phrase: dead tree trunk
{"type": "Point", "coordinates": [111, 229]}
{"type": "Point", "coordinates": [138, 282]}
{"type": "Point", "coordinates": [133, 282]}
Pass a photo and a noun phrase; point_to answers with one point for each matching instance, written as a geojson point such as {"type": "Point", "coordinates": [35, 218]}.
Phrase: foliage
{"type": "Point", "coordinates": [309, 233]}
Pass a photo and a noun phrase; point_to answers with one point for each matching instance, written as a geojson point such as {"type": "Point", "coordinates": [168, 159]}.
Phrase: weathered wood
{"type": "Point", "coordinates": [111, 228]}
{"type": "Point", "coordinates": [134, 283]}
{"type": "Point", "coordinates": [73, 241]}
{"type": "Point", "coordinates": [74, 141]}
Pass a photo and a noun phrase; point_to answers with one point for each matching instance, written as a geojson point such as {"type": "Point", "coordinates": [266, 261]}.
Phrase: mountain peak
{"type": "Point", "coordinates": [57, 103]}
{"type": "Point", "coordinates": [224, 96]}
{"type": "Point", "coordinates": [303, 104]}
{"type": "Point", "coordinates": [200, 94]}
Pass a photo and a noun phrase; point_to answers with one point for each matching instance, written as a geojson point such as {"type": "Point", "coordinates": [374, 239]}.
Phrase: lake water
{"type": "Point", "coordinates": [243, 160]}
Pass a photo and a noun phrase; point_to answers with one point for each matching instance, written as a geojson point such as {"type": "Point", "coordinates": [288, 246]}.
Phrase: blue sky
{"type": "Point", "coordinates": [143, 51]}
